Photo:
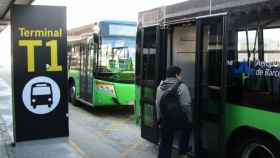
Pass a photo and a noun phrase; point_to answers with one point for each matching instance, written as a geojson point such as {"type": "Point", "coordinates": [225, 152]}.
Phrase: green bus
{"type": "Point", "coordinates": [230, 57]}
{"type": "Point", "coordinates": [101, 61]}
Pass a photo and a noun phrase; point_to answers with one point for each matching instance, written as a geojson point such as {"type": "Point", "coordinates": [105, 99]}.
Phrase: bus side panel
{"type": "Point", "coordinates": [112, 94]}
{"type": "Point", "coordinates": [125, 93]}
{"type": "Point", "coordinates": [75, 74]}
{"type": "Point", "coordinates": [237, 116]}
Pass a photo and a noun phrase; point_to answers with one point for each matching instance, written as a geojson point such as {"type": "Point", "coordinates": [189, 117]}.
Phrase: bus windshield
{"type": "Point", "coordinates": [116, 60]}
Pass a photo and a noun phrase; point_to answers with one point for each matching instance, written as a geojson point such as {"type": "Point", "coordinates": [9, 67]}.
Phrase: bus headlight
{"type": "Point", "coordinates": [33, 100]}
{"type": "Point", "coordinates": [107, 88]}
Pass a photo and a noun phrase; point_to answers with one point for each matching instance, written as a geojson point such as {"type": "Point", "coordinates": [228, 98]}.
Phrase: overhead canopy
{"type": "Point", "coordinates": [5, 11]}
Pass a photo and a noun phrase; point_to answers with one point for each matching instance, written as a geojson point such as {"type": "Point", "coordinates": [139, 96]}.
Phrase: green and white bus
{"type": "Point", "coordinates": [230, 57]}
{"type": "Point", "coordinates": [101, 61]}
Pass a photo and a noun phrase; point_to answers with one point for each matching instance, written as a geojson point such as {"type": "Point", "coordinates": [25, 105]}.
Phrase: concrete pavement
{"type": "Point", "coordinates": [6, 149]}
{"type": "Point", "coordinates": [107, 132]}
{"type": "Point", "coordinates": [49, 148]}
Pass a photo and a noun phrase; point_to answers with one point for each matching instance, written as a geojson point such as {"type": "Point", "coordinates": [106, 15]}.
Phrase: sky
{"type": "Point", "coordinates": [82, 12]}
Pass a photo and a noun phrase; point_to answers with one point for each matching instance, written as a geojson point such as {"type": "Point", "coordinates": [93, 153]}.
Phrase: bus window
{"type": "Point", "coordinates": [116, 63]}
{"type": "Point", "coordinates": [75, 58]}
{"type": "Point", "coordinates": [214, 49]}
{"type": "Point", "coordinates": [149, 53]}
{"type": "Point", "coordinates": [271, 44]}
{"type": "Point", "coordinates": [242, 45]}
{"type": "Point", "coordinates": [256, 80]}
{"type": "Point", "coordinates": [121, 59]}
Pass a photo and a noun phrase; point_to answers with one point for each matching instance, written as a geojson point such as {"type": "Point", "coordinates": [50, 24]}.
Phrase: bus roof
{"type": "Point", "coordinates": [192, 8]}
{"type": "Point", "coordinates": [78, 34]}
{"type": "Point", "coordinates": [118, 22]}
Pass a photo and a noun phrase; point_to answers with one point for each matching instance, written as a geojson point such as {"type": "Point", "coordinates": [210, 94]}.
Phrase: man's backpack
{"type": "Point", "coordinates": [171, 112]}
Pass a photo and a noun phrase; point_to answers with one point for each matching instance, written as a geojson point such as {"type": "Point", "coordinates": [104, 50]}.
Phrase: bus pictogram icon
{"type": "Point", "coordinates": [41, 95]}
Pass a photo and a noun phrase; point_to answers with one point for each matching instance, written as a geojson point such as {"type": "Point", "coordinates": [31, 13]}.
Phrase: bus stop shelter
{"type": "Point", "coordinates": [5, 11]}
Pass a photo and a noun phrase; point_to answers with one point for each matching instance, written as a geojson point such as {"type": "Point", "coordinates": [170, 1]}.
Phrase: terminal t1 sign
{"type": "Point", "coordinates": [39, 72]}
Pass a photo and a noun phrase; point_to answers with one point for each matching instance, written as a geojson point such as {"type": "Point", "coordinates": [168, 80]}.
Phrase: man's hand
{"type": "Point", "coordinates": [158, 123]}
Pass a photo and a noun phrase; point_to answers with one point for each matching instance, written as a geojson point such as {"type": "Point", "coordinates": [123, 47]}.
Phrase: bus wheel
{"type": "Point", "coordinates": [72, 94]}
{"type": "Point", "coordinates": [256, 148]}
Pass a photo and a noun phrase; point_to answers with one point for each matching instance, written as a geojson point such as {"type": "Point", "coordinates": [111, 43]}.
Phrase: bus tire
{"type": "Point", "coordinates": [255, 147]}
{"type": "Point", "coordinates": [72, 94]}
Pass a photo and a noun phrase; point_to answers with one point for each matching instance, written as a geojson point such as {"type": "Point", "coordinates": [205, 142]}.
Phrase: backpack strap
{"type": "Point", "coordinates": [175, 87]}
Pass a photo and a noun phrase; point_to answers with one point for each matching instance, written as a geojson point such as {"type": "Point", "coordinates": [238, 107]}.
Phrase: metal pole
{"type": "Point", "coordinates": [210, 7]}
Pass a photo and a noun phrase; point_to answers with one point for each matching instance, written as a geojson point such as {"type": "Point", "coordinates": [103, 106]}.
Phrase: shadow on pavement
{"type": "Point", "coordinates": [107, 110]}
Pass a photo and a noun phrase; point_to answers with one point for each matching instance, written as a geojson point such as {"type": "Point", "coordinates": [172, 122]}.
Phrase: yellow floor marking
{"type": "Point", "coordinates": [78, 149]}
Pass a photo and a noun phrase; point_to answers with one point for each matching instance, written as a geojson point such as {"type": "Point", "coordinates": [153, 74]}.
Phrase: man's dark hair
{"type": "Point", "coordinates": [172, 71]}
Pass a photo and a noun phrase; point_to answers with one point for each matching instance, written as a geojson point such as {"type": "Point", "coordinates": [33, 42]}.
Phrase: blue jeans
{"type": "Point", "coordinates": [167, 135]}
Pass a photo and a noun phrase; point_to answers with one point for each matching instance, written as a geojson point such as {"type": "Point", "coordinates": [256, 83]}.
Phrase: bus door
{"type": "Point", "coordinates": [210, 85]}
{"type": "Point", "coordinates": [86, 74]}
{"type": "Point", "coordinates": [152, 63]}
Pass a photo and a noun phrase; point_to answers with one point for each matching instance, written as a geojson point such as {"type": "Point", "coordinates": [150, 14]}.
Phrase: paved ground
{"type": "Point", "coordinates": [51, 148]}
{"type": "Point", "coordinates": [6, 150]}
{"type": "Point", "coordinates": [103, 132]}
{"type": "Point", "coordinates": [94, 133]}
